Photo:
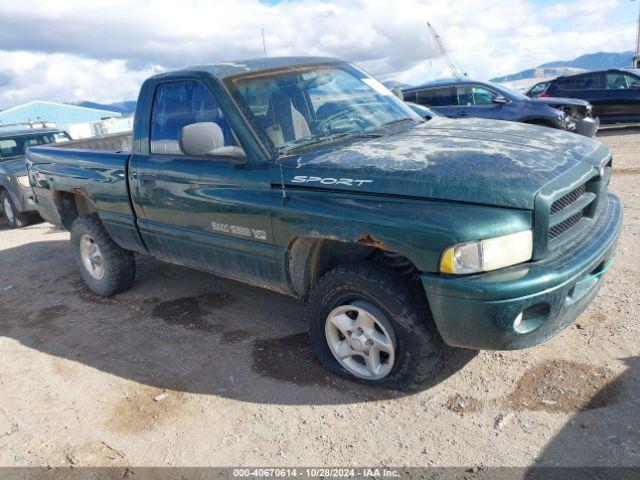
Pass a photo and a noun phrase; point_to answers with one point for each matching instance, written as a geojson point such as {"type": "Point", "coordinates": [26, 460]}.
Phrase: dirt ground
{"type": "Point", "coordinates": [190, 369]}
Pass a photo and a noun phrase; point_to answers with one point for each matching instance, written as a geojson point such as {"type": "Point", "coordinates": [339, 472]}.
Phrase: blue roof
{"type": "Point", "coordinates": [59, 113]}
{"type": "Point", "coordinates": [24, 131]}
{"type": "Point", "coordinates": [229, 69]}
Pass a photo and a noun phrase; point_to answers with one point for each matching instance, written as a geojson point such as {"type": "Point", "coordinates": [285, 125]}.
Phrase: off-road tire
{"type": "Point", "coordinates": [420, 351]}
{"type": "Point", "coordinates": [119, 264]}
{"type": "Point", "coordinates": [19, 219]}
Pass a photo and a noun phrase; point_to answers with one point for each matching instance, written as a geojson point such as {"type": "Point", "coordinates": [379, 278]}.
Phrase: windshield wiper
{"type": "Point", "coordinates": [397, 120]}
{"type": "Point", "coordinates": [315, 141]}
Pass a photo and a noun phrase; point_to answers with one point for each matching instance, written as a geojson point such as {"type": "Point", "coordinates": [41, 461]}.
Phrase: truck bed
{"type": "Point", "coordinates": [83, 166]}
{"type": "Point", "coordinates": [116, 142]}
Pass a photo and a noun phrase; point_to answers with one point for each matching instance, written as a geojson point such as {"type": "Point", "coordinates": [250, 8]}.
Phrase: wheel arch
{"type": "Point", "coordinates": [71, 205]}
{"type": "Point", "coordinates": [309, 258]}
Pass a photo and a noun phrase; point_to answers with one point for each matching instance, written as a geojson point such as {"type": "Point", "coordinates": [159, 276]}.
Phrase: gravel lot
{"type": "Point", "coordinates": [190, 369]}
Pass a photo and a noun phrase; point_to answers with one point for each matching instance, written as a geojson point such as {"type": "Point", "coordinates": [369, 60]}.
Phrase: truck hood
{"type": "Point", "coordinates": [478, 161]}
{"type": "Point", "coordinates": [14, 166]}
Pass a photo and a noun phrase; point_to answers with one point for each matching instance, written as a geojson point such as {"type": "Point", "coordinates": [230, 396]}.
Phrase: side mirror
{"type": "Point", "coordinates": [206, 138]}
{"type": "Point", "coordinates": [635, 85]}
{"type": "Point", "coordinates": [500, 100]}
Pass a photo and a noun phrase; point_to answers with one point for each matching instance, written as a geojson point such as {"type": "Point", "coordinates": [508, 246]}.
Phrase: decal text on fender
{"type": "Point", "coordinates": [348, 182]}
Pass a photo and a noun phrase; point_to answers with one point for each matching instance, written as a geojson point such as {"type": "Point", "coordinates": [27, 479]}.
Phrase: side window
{"type": "Point", "coordinates": [581, 82]}
{"type": "Point", "coordinates": [619, 81]}
{"type": "Point", "coordinates": [538, 89]}
{"type": "Point", "coordinates": [177, 104]}
{"type": "Point", "coordinates": [473, 95]}
{"type": "Point", "coordinates": [435, 97]}
{"type": "Point", "coordinates": [632, 80]}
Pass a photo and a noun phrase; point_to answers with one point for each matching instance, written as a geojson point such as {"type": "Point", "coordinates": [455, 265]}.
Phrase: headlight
{"type": "Point", "coordinates": [488, 254]}
{"type": "Point", "coordinates": [24, 181]}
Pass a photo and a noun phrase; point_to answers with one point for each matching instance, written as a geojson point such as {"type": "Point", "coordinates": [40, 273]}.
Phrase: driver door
{"type": "Point", "coordinates": [208, 212]}
{"type": "Point", "coordinates": [477, 101]}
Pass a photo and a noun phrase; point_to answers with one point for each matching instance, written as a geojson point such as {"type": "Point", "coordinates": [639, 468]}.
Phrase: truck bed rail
{"type": "Point", "coordinates": [116, 142]}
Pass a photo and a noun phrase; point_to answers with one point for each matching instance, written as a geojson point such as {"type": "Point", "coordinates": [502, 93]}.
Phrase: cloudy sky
{"type": "Point", "coordinates": [70, 50]}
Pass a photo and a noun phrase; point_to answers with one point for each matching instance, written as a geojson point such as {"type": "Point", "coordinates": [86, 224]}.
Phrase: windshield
{"type": "Point", "coordinates": [509, 92]}
{"type": "Point", "coordinates": [17, 146]}
{"type": "Point", "coordinates": [298, 106]}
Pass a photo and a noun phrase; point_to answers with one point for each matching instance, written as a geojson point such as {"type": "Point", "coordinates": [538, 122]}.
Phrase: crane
{"type": "Point", "coordinates": [447, 58]}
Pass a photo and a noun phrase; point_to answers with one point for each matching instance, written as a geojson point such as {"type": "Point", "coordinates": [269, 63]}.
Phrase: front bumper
{"type": "Point", "coordinates": [587, 126]}
{"type": "Point", "coordinates": [478, 311]}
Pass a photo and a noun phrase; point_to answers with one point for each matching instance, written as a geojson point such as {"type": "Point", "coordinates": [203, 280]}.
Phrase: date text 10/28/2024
{"type": "Point", "coordinates": [316, 472]}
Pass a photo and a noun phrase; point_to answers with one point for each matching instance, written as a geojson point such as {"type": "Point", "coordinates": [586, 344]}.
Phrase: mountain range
{"type": "Point", "coordinates": [590, 61]}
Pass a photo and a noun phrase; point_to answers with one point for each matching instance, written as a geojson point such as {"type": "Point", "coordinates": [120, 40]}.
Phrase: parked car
{"type": "Point", "coordinates": [468, 98]}
{"type": "Point", "coordinates": [309, 177]}
{"type": "Point", "coordinates": [614, 94]}
{"type": "Point", "coordinates": [18, 206]}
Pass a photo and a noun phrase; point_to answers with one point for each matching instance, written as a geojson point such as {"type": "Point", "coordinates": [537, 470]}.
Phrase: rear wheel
{"type": "Point", "coordinates": [15, 219]}
{"type": "Point", "coordinates": [367, 324]}
{"type": "Point", "coordinates": [106, 268]}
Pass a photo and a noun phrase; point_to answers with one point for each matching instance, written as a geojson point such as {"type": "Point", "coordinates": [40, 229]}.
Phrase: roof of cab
{"type": "Point", "coordinates": [228, 69]}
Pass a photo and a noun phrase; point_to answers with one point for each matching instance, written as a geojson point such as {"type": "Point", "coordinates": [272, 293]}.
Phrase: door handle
{"type": "Point", "coordinates": [147, 180]}
{"type": "Point", "coordinates": [463, 114]}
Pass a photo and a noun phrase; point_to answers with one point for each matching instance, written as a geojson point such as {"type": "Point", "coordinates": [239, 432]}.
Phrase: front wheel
{"type": "Point", "coordinates": [15, 219]}
{"type": "Point", "coordinates": [106, 268]}
{"type": "Point", "coordinates": [367, 324]}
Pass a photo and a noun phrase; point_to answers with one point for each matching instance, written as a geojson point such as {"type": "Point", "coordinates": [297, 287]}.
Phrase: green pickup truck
{"type": "Point", "coordinates": [308, 177]}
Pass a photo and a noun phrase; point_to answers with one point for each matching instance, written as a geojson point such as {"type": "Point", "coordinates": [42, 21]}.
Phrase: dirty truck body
{"type": "Point", "coordinates": [403, 235]}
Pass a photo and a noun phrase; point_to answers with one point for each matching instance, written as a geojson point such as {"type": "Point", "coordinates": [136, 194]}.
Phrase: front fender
{"type": "Point", "coordinates": [419, 230]}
